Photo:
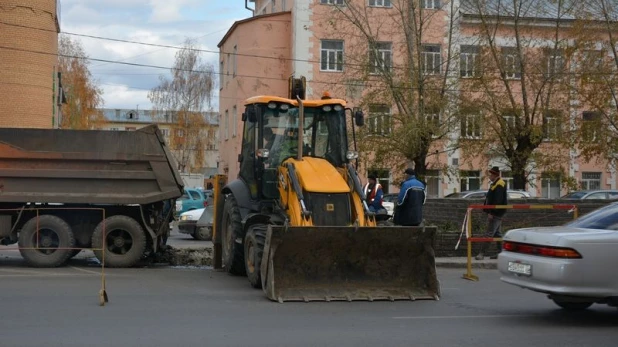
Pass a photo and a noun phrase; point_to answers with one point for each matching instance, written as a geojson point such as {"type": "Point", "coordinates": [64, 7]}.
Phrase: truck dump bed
{"type": "Point", "coordinates": [86, 166]}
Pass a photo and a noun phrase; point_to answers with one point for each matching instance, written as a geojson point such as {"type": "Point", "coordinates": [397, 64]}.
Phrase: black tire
{"type": "Point", "coordinates": [233, 252]}
{"type": "Point", "coordinates": [572, 306]}
{"type": "Point", "coordinates": [202, 234]}
{"type": "Point", "coordinates": [254, 249]}
{"type": "Point", "coordinates": [125, 241]}
{"type": "Point", "coordinates": [53, 232]}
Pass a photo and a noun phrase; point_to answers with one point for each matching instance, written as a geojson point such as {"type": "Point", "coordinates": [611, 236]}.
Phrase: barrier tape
{"type": "Point", "coordinates": [467, 226]}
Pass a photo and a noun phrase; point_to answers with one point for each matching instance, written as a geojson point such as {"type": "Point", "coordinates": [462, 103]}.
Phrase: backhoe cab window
{"type": "Point", "coordinates": [324, 135]}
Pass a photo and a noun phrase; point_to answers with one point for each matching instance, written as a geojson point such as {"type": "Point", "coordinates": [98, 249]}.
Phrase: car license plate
{"type": "Point", "coordinates": [520, 268]}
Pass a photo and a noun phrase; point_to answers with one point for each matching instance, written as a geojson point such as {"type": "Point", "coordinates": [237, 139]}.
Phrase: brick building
{"type": "Point", "coordinates": [302, 38]}
{"type": "Point", "coordinates": [28, 63]}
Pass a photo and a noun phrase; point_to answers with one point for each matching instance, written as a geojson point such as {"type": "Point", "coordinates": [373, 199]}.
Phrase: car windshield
{"type": "Point", "coordinates": [603, 218]}
{"type": "Point", "coordinates": [574, 195]}
{"type": "Point", "coordinates": [324, 134]}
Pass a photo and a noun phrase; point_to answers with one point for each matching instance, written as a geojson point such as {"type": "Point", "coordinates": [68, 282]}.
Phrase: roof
{"type": "Point", "coordinates": [541, 9]}
{"type": "Point", "coordinates": [247, 20]}
{"type": "Point", "coordinates": [137, 116]}
{"type": "Point", "coordinates": [538, 9]}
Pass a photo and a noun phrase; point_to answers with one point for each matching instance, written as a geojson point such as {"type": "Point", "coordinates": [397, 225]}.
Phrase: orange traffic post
{"type": "Point", "coordinates": [468, 275]}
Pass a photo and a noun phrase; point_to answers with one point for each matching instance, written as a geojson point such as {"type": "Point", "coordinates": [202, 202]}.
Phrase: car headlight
{"type": "Point", "coordinates": [186, 217]}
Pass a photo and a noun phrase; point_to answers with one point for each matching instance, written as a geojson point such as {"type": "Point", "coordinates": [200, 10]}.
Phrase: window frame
{"type": "Point", "coordinates": [338, 54]}
{"type": "Point", "coordinates": [378, 119]}
{"type": "Point", "coordinates": [431, 4]}
{"type": "Point", "coordinates": [333, 2]}
{"type": "Point", "coordinates": [428, 55]}
{"type": "Point", "coordinates": [471, 58]}
{"type": "Point", "coordinates": [551, 122]}
{"type": "Point", "coordinates": [380, 3]}
{"type": "Point", "coordinates": [585, 182]}
{"type": "Point", "coordinates": [511, 64]}
{"type": "Point", "coordinates": [380, 58]}
{"type": "Point", "coordinates": [468, 118]}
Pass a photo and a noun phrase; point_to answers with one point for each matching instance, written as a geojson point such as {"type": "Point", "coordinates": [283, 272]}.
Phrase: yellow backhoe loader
{"type": "Point", "coordinates": [295, 221]}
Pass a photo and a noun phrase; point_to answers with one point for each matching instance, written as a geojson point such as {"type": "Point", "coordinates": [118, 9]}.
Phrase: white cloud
{"type": "Point", "coordinates": [164, 22]}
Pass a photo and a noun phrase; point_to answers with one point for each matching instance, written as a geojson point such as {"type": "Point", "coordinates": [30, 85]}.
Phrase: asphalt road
{"type": "Point", "coordinates": [163, 306]}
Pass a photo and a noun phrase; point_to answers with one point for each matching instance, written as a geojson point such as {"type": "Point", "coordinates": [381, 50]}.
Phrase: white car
{"type": "Point", "coordinates": [187, 224]}
{"type": "Point", "coordinates": [389, 206]}
{"type": "Point", "coordinates": [573, 263]}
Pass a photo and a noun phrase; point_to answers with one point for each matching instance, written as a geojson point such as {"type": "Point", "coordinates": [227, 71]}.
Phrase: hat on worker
{"type": "Point", "coordinates": [495, 170]}
{"type": "Point", "coordinates": [410, 171]}
{"type": "Point", "coordinates": [373, 177]}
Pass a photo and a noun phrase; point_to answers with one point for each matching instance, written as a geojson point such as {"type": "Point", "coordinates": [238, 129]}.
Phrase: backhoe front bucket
{"type": "Point", "coordinates": [348, 263]}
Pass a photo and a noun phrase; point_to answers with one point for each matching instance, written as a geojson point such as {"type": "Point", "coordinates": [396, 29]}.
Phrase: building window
{"type": "Point", "coordinates": [555, 63]}
{"type": "Point", "coordinates": [234, 115]}
{"type": "Point", "coordinates": [469, 180]}
{"type": "Point", "coordinates": [226, 125]}
{"type": "Point", "coordinates": [507, 177]}
{"type": "Point", "coordinates": [380, 57]}
{"type": "Point", "coordinates": [114, 129]}
{"type": "Point", "coordinates": [510, 61]}
{"type": "Point", "coordinates": [180, 133]}
{"type": "Point", "coordinates": [470, 126]}
{"type": "Point", "coordinates": [431, 59]}
{"type": "Point", "coordinates": [383, 178]}
{"type": "Point", "coordinates": [551, 126]}
{"type": "Point", "coordinates": [380, 3]}
{"type": "Point", "coordinates": [332, 2]}
{"type": "Point", "coordinates": [592, 62]}
{"type": "Point", "coordinates": [550, 186]}
{"type": "Point", "coordinates": [379, 120]}
{"type": "Point", "coordinates": [331, 54]}
{"type": "Point", "coordinates": [165, 132]}
{"type": "Point", "coordinates": [432, 117]}
{"type": "Point", "coordinates": [234, 61]}
{"type": "Point", "coordinates": [432, 178]}
{"type": "Point", "coordinates": [273, 6]}
{"type": "Point", "coordinates": [430, 4]}
{"type": "Point", "coordinates": [470, 61]}
{"type": "Point", "coordinates": [590, 123]}
{"type": "Point", "coordinates": [591, 180]}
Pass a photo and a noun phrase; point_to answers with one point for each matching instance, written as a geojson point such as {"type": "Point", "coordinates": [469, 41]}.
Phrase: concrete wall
{"type": "Point", "coordinates": [448, 215]}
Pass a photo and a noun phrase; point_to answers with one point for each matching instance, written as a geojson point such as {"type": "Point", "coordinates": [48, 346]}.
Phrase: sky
{"type": "Point", "coordinates": [165, 22]}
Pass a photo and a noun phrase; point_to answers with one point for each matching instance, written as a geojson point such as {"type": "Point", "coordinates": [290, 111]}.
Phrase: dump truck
{"type": "Point", "coordinates": [65, 190]}
{"type": "Point", "coordinates": [296, 221]}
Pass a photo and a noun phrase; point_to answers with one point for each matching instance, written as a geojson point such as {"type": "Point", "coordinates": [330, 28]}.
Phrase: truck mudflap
{"type": "Point", "coordinates": [349, 263]}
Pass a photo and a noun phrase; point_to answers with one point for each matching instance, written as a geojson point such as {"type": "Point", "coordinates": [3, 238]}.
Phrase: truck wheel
{"type": "Point", "coordinates": [125, 241]}
{"type": "Point", "coordinates": [233, 252]}
{"type": "Point", "coordinates": [254, 249]}
{"type": "Point", "coordinates": [54, 240]}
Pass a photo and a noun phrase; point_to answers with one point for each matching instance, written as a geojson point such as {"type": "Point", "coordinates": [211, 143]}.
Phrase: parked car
{"type": "Point", "coordinates": [480, 194]}
{"type": "Point", "coordinates": [197, 223]}
{"type": "Point", "coordinates": [389, 201]}
{"type": "Point", "coordinates": [191, 199]}
{"type": "Point", "coordinates": [592, 194]}
{"type": "Point", "coordinates": [573, 263]}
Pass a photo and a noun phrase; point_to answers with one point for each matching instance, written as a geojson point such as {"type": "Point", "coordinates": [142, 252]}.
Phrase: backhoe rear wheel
{"type": "Point", "coordinates": [254, 248]}
{"type": "Point", "coordinates": [233, 252]}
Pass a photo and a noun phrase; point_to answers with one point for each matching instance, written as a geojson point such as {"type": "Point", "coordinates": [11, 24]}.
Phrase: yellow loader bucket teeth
{"type": "Point", "coordinates": [348, 263]}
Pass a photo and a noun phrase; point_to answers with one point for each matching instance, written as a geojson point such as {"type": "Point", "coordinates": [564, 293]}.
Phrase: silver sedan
{"type": "Point", "coordinates": [573, 264]}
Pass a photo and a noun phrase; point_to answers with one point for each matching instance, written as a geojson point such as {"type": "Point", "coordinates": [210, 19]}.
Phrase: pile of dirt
{"type": "Point", "coordinates": [185, 256]}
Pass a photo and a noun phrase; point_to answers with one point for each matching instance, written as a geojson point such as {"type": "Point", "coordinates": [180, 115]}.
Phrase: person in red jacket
{"type": "Point", "coordinates": [374, 194]}
{"type": "Point", "coordinates": [496, 195]}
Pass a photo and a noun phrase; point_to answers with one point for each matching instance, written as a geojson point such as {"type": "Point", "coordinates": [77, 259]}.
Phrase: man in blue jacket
{"type": "Point", "coordinates": [409, 209]}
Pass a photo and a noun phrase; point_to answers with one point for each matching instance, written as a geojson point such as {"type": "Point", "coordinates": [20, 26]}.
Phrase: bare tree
{"type": "Point", "coordinates": [184, 98]}
{"type": "Point", "coordinates": [404, 70]}
{"type": "Point", "coordinates": [515, 105]}
{"type": "Point", "coordinates": [598, 81]}
{"type": "Point", "coordinates": [83, 96]}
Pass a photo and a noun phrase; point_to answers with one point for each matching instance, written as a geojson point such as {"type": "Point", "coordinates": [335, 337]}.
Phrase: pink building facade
{"type": "Point", "coordinates": [282, 38]}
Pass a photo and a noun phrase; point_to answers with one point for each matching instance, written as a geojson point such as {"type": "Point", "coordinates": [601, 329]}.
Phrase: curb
{"type": "Point", "coordinates": [458, 265]}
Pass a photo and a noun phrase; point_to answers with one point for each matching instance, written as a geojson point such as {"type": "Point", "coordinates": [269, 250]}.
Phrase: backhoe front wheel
{"type": "Point", "coordinates": [254, 249]}
{"type": "Point", "coordinates": [233, 253]}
